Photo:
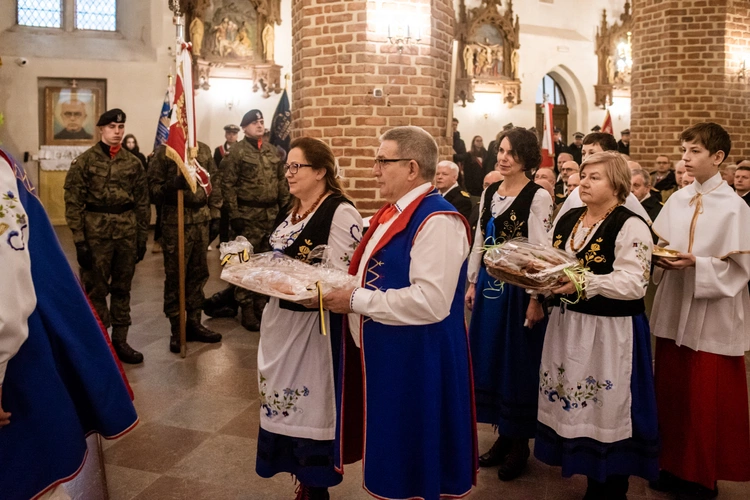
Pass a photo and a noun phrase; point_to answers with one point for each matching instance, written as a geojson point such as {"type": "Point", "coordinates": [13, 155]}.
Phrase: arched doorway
{"type": "Point", "coordinates": [555, 95]}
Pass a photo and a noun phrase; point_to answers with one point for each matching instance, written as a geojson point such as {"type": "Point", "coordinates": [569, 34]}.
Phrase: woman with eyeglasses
{"type": "Point", "coordinates": [507, 323]}
{"type": "Point", "coordinates": [297, 364]}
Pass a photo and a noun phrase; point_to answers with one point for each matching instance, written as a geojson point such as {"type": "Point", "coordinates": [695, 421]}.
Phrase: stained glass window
{"type": "Point", "coordinates": [40, 13]}
{"type": "Point", "coordinates": [98, 15]}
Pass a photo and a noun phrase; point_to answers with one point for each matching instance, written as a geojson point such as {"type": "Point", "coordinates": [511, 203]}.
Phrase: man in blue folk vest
{"type": "Point", "coordinates": [419, 425]}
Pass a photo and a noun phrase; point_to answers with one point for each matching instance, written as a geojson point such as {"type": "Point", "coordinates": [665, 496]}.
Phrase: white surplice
{"type": "Point", "coordinates": [539, 224]}
{"type": "Point", "coordinates": [587, 360]}
{"type": "Point", "coordinates": [437, 254]}
{"type": "Point", "coordinates": [574, 201]}
{"type": "Point", "coordinates": [17, 296]}
{"type": "Point", "coordinates": [706, 307]}
{"type": "Point", "coordinates": [295, 366]}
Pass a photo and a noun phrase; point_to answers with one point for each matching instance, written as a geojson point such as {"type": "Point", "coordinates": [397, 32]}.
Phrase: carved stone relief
{"type": "Point", "coordinates": [235, 39]}
{"type": "Point", "coordinates": [488, 47]}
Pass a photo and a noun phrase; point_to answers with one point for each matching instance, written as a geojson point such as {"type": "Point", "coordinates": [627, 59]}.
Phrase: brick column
{"type": "Point", "coordinates": [341, 54]}
{"type": "Point", "coordinates": [686, 59]}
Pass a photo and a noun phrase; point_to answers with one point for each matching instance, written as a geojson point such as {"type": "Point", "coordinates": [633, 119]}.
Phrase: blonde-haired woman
{"type": "Point", "coordinates": [597, 409]}
{"type": "Point", "coordinates": [297, 365]}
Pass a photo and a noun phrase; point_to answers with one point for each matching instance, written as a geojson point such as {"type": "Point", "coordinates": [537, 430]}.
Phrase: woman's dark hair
{"type": "Point", "coordinates": [125, 143]}
{"type": "Point", "coordinates": [525, 147]}
{"type": "Point", "coordinates": [477, 152]}
{"type": "Point", "coordinates": [319, 154]}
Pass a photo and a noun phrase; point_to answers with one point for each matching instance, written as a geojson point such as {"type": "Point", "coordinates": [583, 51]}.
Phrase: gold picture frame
{"type": "Point", "coordinates": [70, 115]}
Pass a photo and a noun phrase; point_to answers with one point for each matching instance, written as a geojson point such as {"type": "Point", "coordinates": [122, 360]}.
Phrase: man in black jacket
{"type": "Point", "coordinates": [640, 186]}
{"type": "Point", "coordinates": [575, 148]}
{"type": "Point", "coordinates": [664, 178]}
{"type": "Point", "coordinates": [459, 147]}
{"type": "Point", "coordinates": [446, 180]}
{"type": "Point", "coordinates": [623, 145]}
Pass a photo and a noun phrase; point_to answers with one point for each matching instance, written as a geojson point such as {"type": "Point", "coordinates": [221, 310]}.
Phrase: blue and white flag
{"type": "Point", "coordinates": [162, 130]}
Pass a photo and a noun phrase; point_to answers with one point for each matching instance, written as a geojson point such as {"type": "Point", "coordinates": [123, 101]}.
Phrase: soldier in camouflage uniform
{"type": "Point", "coordinates": [254, 190]}
{"type": "Point", "coordinates": [107, 209]}
{"type": "Point", "coordinates": [201, 213]}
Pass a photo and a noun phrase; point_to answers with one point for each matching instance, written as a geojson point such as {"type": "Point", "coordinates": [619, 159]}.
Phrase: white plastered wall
{"type": "Point", "coordinates": [135, 62]}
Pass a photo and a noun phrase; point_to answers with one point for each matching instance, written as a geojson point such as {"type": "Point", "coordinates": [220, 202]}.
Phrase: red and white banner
{"type": "Point", "coordinates": [548, 139]}
{"type": "Point", "coordinates": [182, 146]}
{"type": "Point", "coordinates": [607, 126]}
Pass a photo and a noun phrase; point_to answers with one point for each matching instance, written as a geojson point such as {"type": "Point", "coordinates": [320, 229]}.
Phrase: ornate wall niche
{"type": "Point", "coordinates": [613, 45]}
{"type": "Point", "coordinates": [234, 39]}
{"type": "Point", "coordinates": [488, 43]}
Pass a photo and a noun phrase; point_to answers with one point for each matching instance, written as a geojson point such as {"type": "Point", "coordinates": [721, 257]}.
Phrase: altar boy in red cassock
{"type": "Point", "coordinates": [701, 318]}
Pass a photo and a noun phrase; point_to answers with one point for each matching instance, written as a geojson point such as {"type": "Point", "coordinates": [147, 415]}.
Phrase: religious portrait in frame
{"type": "Point", "coordinates": [70, 115]}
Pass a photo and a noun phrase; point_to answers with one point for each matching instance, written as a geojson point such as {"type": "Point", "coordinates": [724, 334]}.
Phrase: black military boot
{"type": "Point", "coordinates": [124, 352]}
{"type": "Point", "coordinates": [515, 463]}
{"type": "Point", "coordinates": [174, 340]}
{"type": "Point", "coordinates": [249, 320]}
{"type": "Point", "coordinates": [497, 453]}
{"type": "Point", "coordinates": [196, 332]}
{"type": "Point", "coordinates": [221, 304]}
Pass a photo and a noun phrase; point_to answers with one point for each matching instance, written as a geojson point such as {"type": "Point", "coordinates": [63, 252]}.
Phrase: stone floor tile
{"type": "Point", "coordinates": [205, 412]}
{"type": "Point", "coordinates": [154, 447]}
{"type": "Point", "coordinates": [125, 483]}
{"type": "Point", "coordinates": [246, 424]}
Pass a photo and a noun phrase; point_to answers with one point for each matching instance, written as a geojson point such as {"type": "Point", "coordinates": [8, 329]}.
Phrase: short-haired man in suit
{"type": "Point", "coordinates": [446, 180]}
{"type": "Point", "coordinates": [640, 186]}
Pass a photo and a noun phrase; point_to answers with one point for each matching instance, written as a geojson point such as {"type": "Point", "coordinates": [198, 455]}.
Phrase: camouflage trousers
{"type": "Point", "coordinates": [257, 233]}
{"type": "Point", "coordinates": [196, 264]}
{"type": "Point", "coordinates": [111, 274]}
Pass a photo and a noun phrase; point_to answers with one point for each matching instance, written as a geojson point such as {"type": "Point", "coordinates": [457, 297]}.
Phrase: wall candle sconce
{"type": "Point", "coordinates": [742, 72]}
{"type": "Point", "coordinates": [401, 41]}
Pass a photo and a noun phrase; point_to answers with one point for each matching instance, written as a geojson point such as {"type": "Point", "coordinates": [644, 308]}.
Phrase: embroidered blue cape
{"type": "Point", "coordinates": [63, 383]}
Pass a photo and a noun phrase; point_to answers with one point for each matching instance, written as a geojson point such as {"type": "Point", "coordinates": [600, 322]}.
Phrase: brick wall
{"type": "Point", "coordinates": [341, 54]}
{"type": "Point", "coordinates": [686, 55]}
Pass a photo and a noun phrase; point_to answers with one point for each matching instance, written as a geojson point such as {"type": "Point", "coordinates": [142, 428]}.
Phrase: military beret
{"type": "Point", "coordinates": [557, 130]}
{"type": "Point", "coordinates": [115, 115]}
{"type": "Point", "coordinates": [578, 135]}
{"type": "Point", "coordinates": [232, 128]}
{"type": "Point", "coordinates": [596, 128]}
{"type": "Point", "coordinates": [250, 117]}
{"type": "Point", "coordinates": [625, 132]}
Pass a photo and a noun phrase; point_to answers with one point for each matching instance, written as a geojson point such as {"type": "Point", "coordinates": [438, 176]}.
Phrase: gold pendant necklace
{"type": "Point", "coordinates": [586, 236]}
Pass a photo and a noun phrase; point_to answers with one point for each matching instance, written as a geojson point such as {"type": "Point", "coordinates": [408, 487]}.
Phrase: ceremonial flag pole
{"type": "Point", "coordinates": [548, 142]}
{"type": "Point", "coordinates": [181, 148]}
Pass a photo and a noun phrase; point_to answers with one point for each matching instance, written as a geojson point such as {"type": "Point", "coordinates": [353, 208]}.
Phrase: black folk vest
{"type": "Point", "coordinates": [513, 223]}
{"type": "Point", "coordinates": [315, 233]}
{"type": "Point", "coordinates": [599, 256]}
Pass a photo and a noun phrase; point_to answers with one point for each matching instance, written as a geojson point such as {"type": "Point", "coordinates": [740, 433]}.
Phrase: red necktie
{"type": "Point", "coordinates": [388, 214]}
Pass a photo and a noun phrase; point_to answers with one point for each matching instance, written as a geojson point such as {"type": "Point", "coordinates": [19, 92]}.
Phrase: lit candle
{"type": "Point", "coordinates": [389, 30]}
{"type": "Point", "coordinates": [408, 33]}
